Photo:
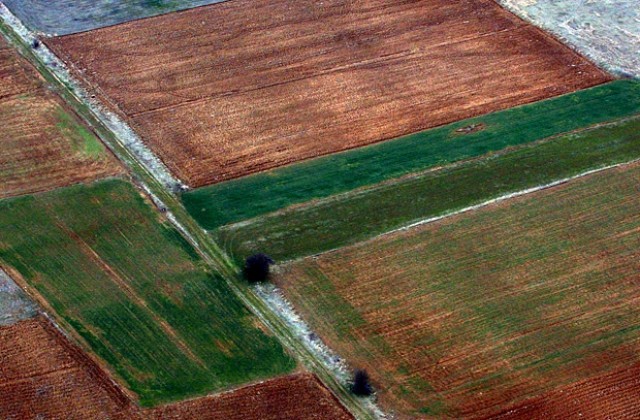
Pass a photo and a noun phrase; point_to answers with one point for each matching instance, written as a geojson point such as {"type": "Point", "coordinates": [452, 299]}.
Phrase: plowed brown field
{"type": "Point", "coordinates": [239, 87]}
{"type": "Point", "coordinates": [299, 396]}
{"type": "Point", "coordinates": [43, 146]}
{"type": "Point", "coordinates": [615, 395]}
{"type": "Point", "coordinates": [14, 73]}
{"type": "Point", "coordinates": [475, 313]}
{"type": "Point", "coordinates": [43, 375]}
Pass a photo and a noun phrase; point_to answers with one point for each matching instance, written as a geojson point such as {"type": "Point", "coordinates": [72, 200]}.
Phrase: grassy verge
{"type": "Point", "coordinates": [209, 250]}
{"type": "Point", "coordinates": [217, 205]}
{"type": "Point", "coordinates": [136, 292]}
{"type": "Point", "coordinates": [353, 217]}
{"type": "Point", "coordinates": [473, 314]}
{"type": "Point", "coordinates": [82, 140]}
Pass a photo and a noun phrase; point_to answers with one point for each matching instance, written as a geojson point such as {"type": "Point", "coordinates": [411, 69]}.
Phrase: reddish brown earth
{"type": "Point", "coordinates": [43, 145]}
{"type": "Point", "coordinates": [239, 87]}
{"type": "Point", "coordinates": [611, 396]}
{"type": "Point", "coordinates": [615, 395]}
{"type": "Point", "coordinates": [43, 374]}
{"type": "Point", "coordinates": [14, 73]}
{"type": "Point", "coordinates": [299, 396]}
{"type": "Point", "coordinates": [477, 312]}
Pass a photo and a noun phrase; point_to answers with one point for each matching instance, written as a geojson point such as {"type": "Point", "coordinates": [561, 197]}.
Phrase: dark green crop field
{"type": "Point", "coordinates": [350, 218]}
{"type": "Point", "coordinates": [217, 205]}
{"type": "Point", "coordinates": [135, 291]}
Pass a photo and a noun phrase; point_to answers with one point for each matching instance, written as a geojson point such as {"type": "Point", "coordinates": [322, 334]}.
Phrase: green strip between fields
{"type": "Point", "coordinates": [217, 205]}
{"type": "Point", "coordinates": [353, 217]}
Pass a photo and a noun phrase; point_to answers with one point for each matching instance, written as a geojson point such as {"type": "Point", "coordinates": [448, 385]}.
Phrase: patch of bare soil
{"type": "Point", "coordinates": [43, 145]}
{"type": "Point", "coordinates": [299, 396]}
{"type": "Point", "coordinates": [42, 375]}
{"type": "Point", "coordinates": [614, 395]}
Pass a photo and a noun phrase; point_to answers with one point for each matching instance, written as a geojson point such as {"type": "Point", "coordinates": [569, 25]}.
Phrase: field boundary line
{"type": "Point", "coordinates": [499, 199]}
{"type": "Point", "coordinates": [162, 192]}
{"type": "Point", "coordinates": [366, 189]}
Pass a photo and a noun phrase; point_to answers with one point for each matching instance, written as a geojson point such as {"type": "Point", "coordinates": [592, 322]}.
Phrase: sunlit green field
{"type": "Point", "coordinates": [135, 291]}
{"type": "Point", "coordinates": [354, 217]}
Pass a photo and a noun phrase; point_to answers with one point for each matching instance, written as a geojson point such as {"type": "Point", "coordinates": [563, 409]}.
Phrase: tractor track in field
{"type": "Point", "coordinates": [131, 293]}
{"type": "Point", "coordinates": [467, 209]}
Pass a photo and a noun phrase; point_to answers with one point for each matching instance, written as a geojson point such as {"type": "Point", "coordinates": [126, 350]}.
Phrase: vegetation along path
{"type": "Point", "coordinates": [146, 178]}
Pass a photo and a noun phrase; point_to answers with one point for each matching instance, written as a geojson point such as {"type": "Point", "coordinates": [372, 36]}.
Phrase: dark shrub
{"type": "Point", "coordinates": [256, 268]}
{"type": "Point", "coordinates": [361, 385]}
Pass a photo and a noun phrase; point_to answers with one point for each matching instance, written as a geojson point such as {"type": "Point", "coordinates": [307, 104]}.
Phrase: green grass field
{"type": "Point", "coordinates": [474, 313]}
{"type": "Point", "coordinates": [350, 218]}
{"type": "Point", "coordinates": [220, 204]}
{"type": "Point", "coordinates": [135, 291]}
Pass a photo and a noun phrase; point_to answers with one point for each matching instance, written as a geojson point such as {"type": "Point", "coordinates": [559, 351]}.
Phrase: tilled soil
{"type": "Point", "coordinates": [69, 16]}
{"type": "Point", "coordinates": [476, 313]}
{"type": "Point", "coordinates": [43, 145]}
{"type": "Point", "coordinates": [299, 396]}
{"type": "Point", "coordinates": [43, 375]}
{"type": "Point", "coordinates": [613, 395]}
{"type": "Point", "coordinates": [240, 87]}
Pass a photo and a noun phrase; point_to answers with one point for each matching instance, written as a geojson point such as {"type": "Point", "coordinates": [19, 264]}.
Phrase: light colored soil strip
{"type": "Point", "coordinates": [607, 31]}
{"type": "Point", "coordinates": [274, 297]}
{"type": "Point", "coordinates": [14, 304]}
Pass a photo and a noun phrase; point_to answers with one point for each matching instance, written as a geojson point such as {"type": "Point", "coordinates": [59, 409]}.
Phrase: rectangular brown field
{"type": "Point", "coordinates": [230, 89]}
{"type": "Point", "coordinates": [43, 145]}
{"type": "Point", "coordinates": [43, 375]}
{"type": "Point", "coordinates": [497, 308]}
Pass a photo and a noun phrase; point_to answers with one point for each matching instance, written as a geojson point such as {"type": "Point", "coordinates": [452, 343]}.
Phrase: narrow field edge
{"type": "Point", "coordinates": [161, 193]}
{"type": "Point", "coordinates": [190, 198]}
{"type": "Point", "coordinates": [502, 198]}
